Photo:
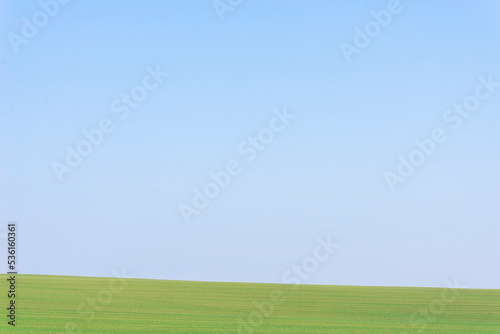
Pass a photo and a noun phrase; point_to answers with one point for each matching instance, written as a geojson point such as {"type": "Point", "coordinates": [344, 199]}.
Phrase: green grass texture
{"type": "Point", "coordinates": [68, 304]}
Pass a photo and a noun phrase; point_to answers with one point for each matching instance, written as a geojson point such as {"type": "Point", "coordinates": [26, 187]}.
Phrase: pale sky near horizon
{"type": "Point", "coordinates": [323, 174]}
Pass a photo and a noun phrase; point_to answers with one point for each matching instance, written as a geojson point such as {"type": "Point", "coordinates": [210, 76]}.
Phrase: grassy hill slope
{"type": "Point", "coordinates": [64, 304]}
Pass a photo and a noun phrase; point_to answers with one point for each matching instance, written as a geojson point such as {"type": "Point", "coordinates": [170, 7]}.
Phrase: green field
{"type": "Point", "coordinates": [47, 304]}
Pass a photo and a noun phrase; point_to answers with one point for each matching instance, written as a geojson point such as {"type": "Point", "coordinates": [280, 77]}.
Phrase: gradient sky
{"type": "Point", "coordinates": [323, 175]}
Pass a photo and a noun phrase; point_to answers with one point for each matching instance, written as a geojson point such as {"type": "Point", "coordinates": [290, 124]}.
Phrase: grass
{"type": "Point", "coordinates": [47, 304]}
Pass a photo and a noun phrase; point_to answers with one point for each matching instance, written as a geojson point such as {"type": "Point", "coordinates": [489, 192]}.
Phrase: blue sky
{"type": "Point", "coordinates": [322, 175]}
